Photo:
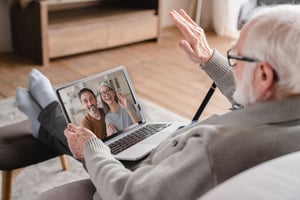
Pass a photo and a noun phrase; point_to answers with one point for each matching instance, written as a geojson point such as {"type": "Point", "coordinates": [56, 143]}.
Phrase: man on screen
{"type": "Point", "coordinates": [94, 118]}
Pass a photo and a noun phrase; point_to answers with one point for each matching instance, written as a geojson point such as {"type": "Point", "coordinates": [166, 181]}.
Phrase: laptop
{"type": "Point", "coordinates": [131, 143]}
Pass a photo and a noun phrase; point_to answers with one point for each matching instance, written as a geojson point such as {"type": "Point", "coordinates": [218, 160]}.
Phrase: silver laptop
{"type": "Point", "coordinates": [131, 143]}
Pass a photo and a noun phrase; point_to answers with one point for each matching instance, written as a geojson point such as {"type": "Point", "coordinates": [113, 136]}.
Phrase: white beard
{"type": "Point", "coordinates": [244, 92]}
{"type": "Point", "coordinates": [92, 111]}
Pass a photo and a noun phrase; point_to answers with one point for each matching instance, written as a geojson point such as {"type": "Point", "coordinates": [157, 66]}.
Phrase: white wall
{"type": "Point", "coordinates": [190, 7]}
{"type": "Point", "coordinates": [225, 16]}
{"type": "Point", "coordinates": [219, 15]}
{"type": "Point", "coordinates": [168, 5]}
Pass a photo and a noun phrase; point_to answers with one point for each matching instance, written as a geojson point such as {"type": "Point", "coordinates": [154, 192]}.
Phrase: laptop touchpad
{"type": "Point", "coordinates": [135, 152]}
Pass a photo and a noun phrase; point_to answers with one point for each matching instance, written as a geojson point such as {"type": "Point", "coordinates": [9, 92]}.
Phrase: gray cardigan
{"type": "Point", "coordinates": [199, 157]}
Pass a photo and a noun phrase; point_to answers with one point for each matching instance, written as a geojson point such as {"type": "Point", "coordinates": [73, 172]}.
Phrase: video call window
{"type": "Point", "coordinates": [70, 101]}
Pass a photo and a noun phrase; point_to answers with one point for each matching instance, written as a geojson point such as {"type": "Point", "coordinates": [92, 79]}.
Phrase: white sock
{"type": "Point", "coordinates": [40, 88]}
{"type": "Point", "coordinates": [27, 105]}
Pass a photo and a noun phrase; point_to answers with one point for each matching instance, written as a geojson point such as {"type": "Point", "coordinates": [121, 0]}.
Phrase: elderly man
{"type": "Point", "coordinates": [261, 74]}
{"type": "Point", "coordinates": [195, 159]}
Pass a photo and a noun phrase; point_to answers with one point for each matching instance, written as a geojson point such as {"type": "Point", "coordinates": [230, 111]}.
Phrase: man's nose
{"type": "Point", "coordinates": [89, 103]}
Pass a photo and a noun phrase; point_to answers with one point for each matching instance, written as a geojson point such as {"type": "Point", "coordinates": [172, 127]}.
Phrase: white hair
{"type": "Point", "coordinates": [274, 37]}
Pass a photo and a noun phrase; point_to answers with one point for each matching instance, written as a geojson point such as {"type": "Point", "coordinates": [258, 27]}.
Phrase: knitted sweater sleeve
{"type": "Point", "coordinates": [220, 72]}
{"type": "Point", "coordinates": [174, 177]}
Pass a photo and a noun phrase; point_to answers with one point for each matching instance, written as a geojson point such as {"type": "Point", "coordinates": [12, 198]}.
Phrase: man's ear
{"type": "Point", "coordinates": [264, 79]}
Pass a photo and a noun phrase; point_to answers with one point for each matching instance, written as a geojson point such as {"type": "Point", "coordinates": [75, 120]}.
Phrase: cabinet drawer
{"type": "Point", "coordinates": [101, 32]}
{"type": "Point", "coordinates": [77, 39]}
{"type": "Point", "coordinates": [131, 28]}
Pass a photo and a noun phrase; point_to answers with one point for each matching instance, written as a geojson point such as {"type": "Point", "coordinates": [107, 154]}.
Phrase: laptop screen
{"type": "Point", "coordinates": [115, 80]}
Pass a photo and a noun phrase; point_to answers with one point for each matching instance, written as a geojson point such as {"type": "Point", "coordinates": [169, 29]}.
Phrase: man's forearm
{"type": "Point", "coordinates": [220, 72]}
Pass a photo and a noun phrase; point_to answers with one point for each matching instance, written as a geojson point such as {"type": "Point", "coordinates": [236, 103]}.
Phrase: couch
{"type": "Point", "coordinates": [276, 179]}
{"type": "Point", "coordinates": [251, 6]}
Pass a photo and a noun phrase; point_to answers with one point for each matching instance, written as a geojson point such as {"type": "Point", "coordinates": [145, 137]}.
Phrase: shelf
{"type": "Point", "coordinates": [100, 31]}
{"type": "Point", "coordinates": [90, 15]}
{"type": "Point", "coordinates": [51, 29]}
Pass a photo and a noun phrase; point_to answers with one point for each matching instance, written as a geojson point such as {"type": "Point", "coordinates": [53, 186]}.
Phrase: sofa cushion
{"type": "Point", "coordinates": [19, 148]}
{"type": "Point", "coordinates": [276, 179]}
{"type": "Point", "coordinates": [83, 189]}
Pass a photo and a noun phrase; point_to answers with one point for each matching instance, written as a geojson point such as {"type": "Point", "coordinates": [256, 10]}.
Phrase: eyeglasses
{"type": "Point", "coordinates": [233, 58]}
{"type": "Point", "coordinates": [106, 92]}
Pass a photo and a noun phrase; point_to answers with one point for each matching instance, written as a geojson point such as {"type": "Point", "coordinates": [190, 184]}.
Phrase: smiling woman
{"type": "Point", "coordinates": [119, 111]}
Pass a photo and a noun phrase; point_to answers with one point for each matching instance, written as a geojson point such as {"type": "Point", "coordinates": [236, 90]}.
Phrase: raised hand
{"type": "Point", "coordinates": [122, 101]}
{"type": "Point", "coordinates": [110, 129]}
{"type": "Point", "coordinates": [195, 43]}
{"type": "Point", "coordinates": [124, 104]}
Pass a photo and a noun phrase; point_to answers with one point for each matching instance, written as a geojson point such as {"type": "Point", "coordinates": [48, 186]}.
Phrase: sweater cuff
{"type": "Point", "coordinates": [216, 67]}
{"type": "Point", "coordinates": [94, 144]}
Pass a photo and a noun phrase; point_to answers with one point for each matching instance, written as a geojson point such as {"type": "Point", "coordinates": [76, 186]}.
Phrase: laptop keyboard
{"type": "Point", "coordinates": [135, 137]}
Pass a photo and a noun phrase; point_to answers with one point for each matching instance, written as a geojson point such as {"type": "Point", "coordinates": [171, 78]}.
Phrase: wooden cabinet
{"type": "Point", "coordinates": [52, 28]}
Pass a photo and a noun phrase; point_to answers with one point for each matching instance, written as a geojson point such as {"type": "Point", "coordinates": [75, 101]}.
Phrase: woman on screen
{"type": "Point", "coordinates": [119, 112]}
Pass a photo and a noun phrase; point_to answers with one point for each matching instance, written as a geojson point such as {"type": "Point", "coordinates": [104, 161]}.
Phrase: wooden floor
{"type": "Point", "coordinates": [160, 72]}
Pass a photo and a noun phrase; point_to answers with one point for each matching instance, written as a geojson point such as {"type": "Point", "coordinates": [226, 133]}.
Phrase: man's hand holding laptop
{"type": "Point", "coordinates": [77, 137]}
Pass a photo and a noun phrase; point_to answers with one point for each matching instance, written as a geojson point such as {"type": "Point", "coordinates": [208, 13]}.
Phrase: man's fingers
{"type": "Point", "coordinates": [185, 45]}
{"type": "Point", "coordinates": [178, 20]}
{"type": "Point", "coordinates": [186, 25]}
{"type": "Point", "coordinates": [187, 17]}
{"type": "Point", "coordinates": [77, 153]}
{"type": "Point", "coordinates": [72, 127]}
{"type": "Point", "coordinates": [67, 132]}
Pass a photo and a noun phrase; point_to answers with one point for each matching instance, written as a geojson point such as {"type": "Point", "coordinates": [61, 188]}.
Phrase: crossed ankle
{"type": "Point", "coordinates": [41, 89]}
{"type": "Point", "coordinates": [28, 106]}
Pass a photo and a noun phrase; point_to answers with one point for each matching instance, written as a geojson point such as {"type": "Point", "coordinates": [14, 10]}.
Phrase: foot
{"type": "Point", "coordinates": [40, 88]}
{"type": "Point", "coordinates": [27, 105]}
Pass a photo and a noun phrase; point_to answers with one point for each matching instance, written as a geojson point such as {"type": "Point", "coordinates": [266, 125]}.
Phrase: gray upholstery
{"type": "Point", "coordinates": [78, 190]}
{"type": "Point", "coordinates": [19, 148]}
{"type": "Point", "coordinates": [276, 179]}
{"type": "Point", "coordinates": [248, 8]}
